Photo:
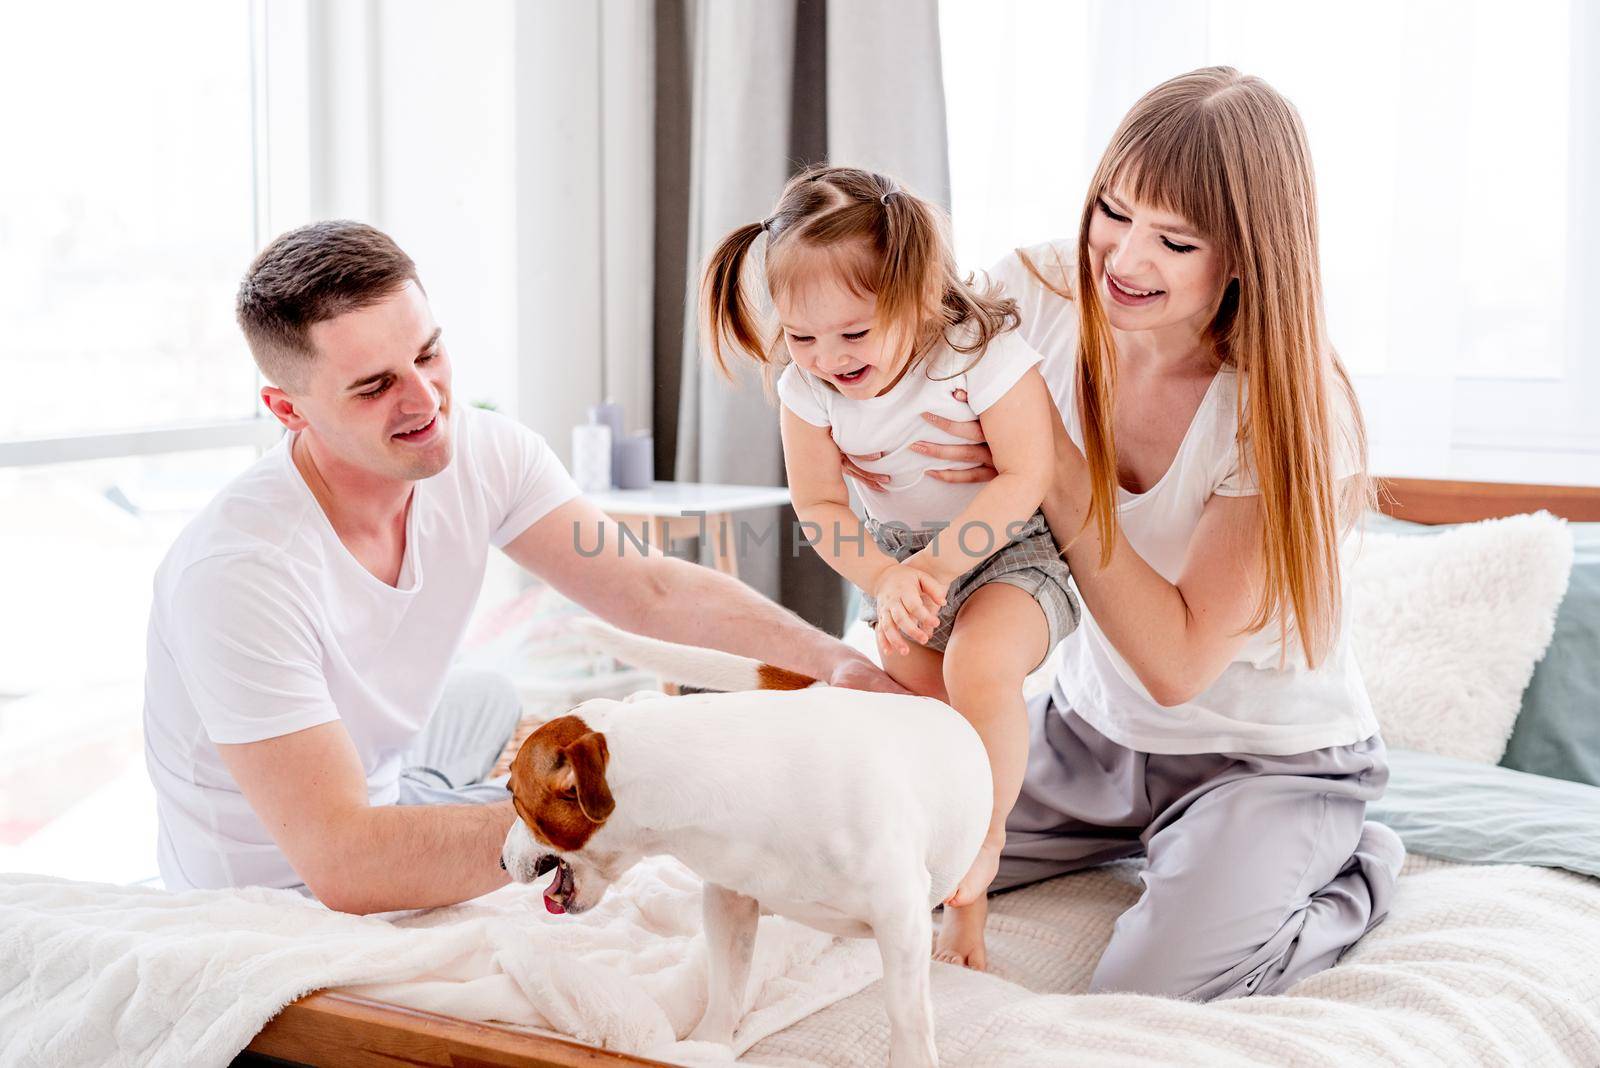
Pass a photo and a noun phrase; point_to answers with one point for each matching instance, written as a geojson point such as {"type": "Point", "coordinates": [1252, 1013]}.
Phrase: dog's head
{"type": "Point", "coordinates": [558, 787]}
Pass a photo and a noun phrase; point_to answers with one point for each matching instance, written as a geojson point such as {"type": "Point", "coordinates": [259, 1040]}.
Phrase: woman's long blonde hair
{"type": "Point", "coordinates": [1228, 153]}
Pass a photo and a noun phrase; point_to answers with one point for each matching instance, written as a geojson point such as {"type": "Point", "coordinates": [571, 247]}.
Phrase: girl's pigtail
{"type": "Point", "coordinates": [913, 261]}
{"type": "Point", "coordinates": [725, 308]}
{"type": "Point", "coordinates": [921, 284]}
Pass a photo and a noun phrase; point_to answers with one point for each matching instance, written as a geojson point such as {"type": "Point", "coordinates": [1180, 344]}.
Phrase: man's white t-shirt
{"type": "Point", "coordinates": [1263, 702]}
{"type": "Point", "coordinates": [264, 624]}
{"type": "Point", "coordinates": [891, 422]}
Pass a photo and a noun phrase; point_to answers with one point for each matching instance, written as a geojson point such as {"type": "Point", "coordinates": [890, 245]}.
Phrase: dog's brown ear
{"type": "Point", "coordinates": [587, 759]}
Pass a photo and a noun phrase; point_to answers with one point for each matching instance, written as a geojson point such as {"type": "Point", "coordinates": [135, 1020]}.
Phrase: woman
{"type": "Point", "coordinates": [1208, 712]}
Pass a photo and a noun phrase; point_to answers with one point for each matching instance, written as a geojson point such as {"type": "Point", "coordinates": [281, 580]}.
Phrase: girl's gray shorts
{"type": "Point", "coordinates": [1029, 561]}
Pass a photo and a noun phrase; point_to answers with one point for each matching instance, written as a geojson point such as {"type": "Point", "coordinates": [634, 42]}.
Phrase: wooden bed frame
{"type": "Point", "coordinates": [1431, 501]}
{"type": "Point", "coordinates": [330, 1028]}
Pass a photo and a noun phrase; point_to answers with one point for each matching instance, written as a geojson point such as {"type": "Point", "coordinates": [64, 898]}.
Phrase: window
{"type": "Point", "coordinates": [128, 206]}
{"type": "Point", "coordinates": [1452, 154]}
{"type": "Point", "coordinates": [126, 210]}
{"type": "Point", "coordinates": [163, 146]}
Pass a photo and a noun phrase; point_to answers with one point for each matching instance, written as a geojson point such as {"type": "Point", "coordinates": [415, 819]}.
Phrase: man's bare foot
{"type": "Point", "coordinates": [975, 884]}
{"type": "Point", "coordinates": [961, 935]}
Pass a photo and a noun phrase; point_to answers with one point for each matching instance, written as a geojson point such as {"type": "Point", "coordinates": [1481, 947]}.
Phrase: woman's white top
{"type": "Point", "coordinates": [1264, 701]}
{"type": "Point", "coordinates": [891, 422]}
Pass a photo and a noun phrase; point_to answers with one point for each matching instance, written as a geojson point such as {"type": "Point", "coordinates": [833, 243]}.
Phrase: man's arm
{"type": "Point", "coordinates": [658, 596]}
{"type": "Point", "coordinates": [308, 789]}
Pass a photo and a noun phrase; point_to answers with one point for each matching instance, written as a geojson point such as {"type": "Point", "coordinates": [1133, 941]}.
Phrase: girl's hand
{"type": "Point", "coordinates": [908, 600]}
{"type": "Point", "coordinates": [977, 453]}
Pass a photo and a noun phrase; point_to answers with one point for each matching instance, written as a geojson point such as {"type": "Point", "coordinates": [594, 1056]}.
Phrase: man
{"type": "Point", "coordinates": [304, 623]}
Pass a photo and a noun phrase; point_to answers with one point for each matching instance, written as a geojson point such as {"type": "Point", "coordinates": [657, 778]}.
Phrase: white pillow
{"type": "Point", "coordinates": [1447, 628]}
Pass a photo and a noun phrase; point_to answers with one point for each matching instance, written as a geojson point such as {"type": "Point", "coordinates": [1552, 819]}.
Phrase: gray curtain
{"type": "Point", "coordinates": [749, 92]}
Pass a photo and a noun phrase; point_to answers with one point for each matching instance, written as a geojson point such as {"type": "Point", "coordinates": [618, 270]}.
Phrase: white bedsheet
{"type": "Point", "coordinates": [1476, 965]}
{"type": "Point", "coordinates": [1496, 965]}
{"type": "Point", "coordinates": [93, 974]}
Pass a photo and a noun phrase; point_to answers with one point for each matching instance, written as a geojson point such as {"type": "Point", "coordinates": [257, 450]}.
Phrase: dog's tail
{"type": "Point", "coordinates": [689, 665]}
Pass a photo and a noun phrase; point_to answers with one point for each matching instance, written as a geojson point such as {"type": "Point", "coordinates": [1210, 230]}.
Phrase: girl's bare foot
{"type": "Point", "coordinates": [961, 935]}
{"type": "Point", "coordinates": [975, 884]}
{"type": "Point", "coordinates": [967, 910]}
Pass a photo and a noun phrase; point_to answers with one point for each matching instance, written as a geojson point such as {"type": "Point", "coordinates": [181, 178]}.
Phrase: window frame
{"type": "Point", "coordinates": [281, 189]}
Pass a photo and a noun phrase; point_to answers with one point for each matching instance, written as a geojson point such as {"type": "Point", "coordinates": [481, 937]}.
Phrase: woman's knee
{"type": "Point", "coordinates": [1147, 965]}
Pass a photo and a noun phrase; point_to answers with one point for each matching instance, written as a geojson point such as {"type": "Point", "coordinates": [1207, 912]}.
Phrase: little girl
{"type": "Point", "coordinates": [964, 585]}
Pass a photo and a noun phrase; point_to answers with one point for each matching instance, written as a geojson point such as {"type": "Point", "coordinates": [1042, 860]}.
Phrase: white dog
{"type": "Point", "coordinates": [852, 812]}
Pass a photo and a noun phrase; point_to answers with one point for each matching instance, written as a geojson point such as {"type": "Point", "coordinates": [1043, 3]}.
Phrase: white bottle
{"type": "Point", "coordinates": [591, 457]}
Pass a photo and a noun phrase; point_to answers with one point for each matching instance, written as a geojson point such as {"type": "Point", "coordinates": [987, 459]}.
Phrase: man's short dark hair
{"type": "Point", "coordinates": [307, 276]}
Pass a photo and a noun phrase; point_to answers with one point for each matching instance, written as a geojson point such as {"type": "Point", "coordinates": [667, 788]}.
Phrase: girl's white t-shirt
{"type": "Point", "coordinates": [890, 423]}
{"type": "Point", "coordinates": [1265, 701]}
{"type": "Point", "coordinates": [264, 624]}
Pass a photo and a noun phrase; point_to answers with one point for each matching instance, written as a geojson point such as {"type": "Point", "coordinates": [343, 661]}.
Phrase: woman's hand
{"type": "Point", "coordinates": [908, 601]}
{"type": "Point", "coordinates": [977, 453]}
{"type": "Point", "coordinates": [852, 468]}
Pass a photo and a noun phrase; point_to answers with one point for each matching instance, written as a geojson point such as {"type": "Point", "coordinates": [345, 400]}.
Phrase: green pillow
{"type": "Point", "coordinates": [1482, 814]}
{"type": "Point", "coordinates": [1557, 732]}
{"type": "Point", "coordinates": [1558, 729]}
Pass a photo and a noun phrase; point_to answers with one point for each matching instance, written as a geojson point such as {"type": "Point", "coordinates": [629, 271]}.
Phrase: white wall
{"type": "Point", "coordinates": [508, 147]}
{"type": "Point", "coordinates": [444, 185]}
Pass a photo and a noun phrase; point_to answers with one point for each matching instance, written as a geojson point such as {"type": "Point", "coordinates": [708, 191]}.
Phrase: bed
{"type": "Point", "coordinates": [994, 1018]}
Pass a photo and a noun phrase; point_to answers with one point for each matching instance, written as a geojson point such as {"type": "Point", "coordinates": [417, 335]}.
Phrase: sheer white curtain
{"type": "Point", "coordinates": [1453, 141]}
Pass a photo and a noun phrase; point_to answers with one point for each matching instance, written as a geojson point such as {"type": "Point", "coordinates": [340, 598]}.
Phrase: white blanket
{"type": "Point", "coordinates": [1475, 966]}
{"type": "Point", "coordinates": [116, 975]}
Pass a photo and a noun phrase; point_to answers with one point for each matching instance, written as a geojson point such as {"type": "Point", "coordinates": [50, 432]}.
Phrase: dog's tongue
{"type": "Point", "coordinates": [552, 905]}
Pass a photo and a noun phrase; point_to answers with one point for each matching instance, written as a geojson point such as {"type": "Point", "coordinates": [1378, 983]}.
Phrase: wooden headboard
{"type": "Point", "coordinates": [340, 1029]}
{"type": "Point", "coordinates": [1430, 501]}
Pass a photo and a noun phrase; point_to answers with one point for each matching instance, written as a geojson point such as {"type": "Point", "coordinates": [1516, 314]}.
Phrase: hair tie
{"type": "Point", "coordinates": [766, 224]}
{"type": "Point", "coordinates": [885, 198]}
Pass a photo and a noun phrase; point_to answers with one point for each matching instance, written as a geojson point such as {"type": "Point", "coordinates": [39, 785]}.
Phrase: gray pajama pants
{"type": "Point", "coordinates": [1261, 870]}
{"type": "Point", "coordinates": [448, 761]}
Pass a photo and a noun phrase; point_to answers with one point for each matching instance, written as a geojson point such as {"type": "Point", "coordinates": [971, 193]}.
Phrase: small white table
{"type": "Point", "coordinates": [671, 511]}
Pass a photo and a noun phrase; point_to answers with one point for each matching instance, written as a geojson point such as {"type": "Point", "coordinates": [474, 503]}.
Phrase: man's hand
{"type": "Point", "coordinates": [310, 793]}
{"type": "Point", "coordinates": [859, 673]}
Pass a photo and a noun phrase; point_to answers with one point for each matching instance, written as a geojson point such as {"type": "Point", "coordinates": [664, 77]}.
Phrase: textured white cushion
{"type": "Point", "coordinates": [1448, 628]}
